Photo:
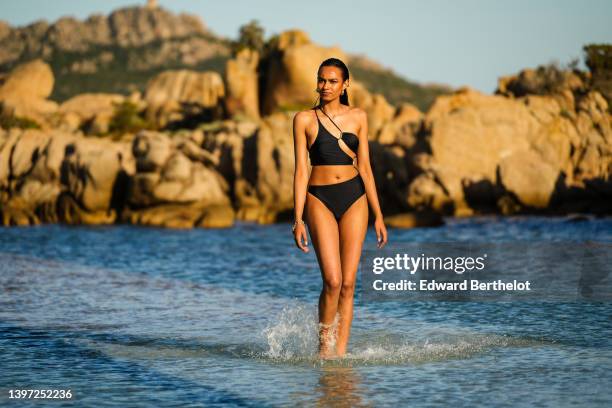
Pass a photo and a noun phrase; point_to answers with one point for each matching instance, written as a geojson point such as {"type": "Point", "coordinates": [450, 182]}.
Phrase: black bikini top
{"type": "Point", "coordinates": [325, 150]}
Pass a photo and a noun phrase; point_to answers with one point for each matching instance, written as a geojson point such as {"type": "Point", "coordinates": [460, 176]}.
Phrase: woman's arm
{"type": "Point", "coordinates": [365, 170]}
{"type": "Point", "coordinates": [363, 164]}
{"type": "Point", "coordinates": [300, 177]}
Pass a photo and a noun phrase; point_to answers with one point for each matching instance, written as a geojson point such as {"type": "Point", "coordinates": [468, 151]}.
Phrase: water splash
{"type": "Point", "coordinates": [293, 338]}
{"type": "Point", "coordinates": [451, 347]}
{"type": "Point", "coordinates": [328, 334]}
{"type": "Point", "coordinates": [294, 334]}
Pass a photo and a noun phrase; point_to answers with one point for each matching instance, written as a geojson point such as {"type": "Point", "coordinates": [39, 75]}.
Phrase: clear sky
{"type": "Point", "coordinates": [460, 42]}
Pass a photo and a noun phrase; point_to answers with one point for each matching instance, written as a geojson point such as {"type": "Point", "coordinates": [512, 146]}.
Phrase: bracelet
{"type": "Point", "coordinates": [295, 225]}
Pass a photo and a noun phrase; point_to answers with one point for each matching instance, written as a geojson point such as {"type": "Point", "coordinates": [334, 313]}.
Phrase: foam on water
{"type": "Point", "coordinates": [148, 316]}
{"type": "Point", "coordinates": [293, 334]}
{"type": "Point", "coordinates": [293, 338]}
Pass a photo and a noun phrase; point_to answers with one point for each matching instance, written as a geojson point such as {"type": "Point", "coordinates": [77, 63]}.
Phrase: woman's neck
{"type": "Point", "coordinates": [333, 108]}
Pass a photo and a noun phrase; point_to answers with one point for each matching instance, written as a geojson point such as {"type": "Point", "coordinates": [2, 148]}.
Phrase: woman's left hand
{"type": "Point", "coordinates": [381, 232]}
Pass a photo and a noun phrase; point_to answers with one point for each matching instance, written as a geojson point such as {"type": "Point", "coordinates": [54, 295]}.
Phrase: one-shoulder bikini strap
{"type": "Point", "coordinates": [330, 119]}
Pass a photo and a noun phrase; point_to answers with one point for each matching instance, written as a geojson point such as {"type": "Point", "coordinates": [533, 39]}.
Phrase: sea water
{"type": "Point", "coordinates": [133, 316]}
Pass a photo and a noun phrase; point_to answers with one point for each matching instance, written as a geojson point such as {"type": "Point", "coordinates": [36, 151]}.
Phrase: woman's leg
{"type": "Point", "coordinates": [353, 228]}
{"type": "Point", "coordinates": [323, 230]}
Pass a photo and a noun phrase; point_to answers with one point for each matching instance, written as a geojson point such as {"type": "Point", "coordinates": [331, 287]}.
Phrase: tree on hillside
{"type": "Point", "coordinates": [251, 36]}
{"type": "Point", "coordinates": [598, 57]}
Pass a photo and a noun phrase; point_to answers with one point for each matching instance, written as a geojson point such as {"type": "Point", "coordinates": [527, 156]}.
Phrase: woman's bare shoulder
{"type": "Point", "coordinates": [358, 115]}
{"type": "Point", "coordinates": [303, 117]}
{"type": "Point", "coordinates": [357, 111]}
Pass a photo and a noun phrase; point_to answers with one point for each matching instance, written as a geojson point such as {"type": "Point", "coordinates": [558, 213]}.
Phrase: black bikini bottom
{"type": "Point", "coordinates": [339, 197]}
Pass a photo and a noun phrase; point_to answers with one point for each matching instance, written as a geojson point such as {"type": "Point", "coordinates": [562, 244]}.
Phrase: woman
{"type": "Point", "coordinates": [334, 198]}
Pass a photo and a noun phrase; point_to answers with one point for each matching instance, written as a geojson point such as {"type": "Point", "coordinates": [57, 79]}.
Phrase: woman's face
{"type": "Point", "coordinates": [330, 83]}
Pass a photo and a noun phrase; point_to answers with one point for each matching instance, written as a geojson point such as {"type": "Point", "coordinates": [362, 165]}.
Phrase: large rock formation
{"type": "Point", "coordinates": [50, 176]}
{"type": "Point", "coordinates": [257, 160]}
{"type": "Point", "coordinates": [173, 96]}
{"type": "Point", "coordinates": [176, 181]}
{"type": "Point", "coordinates": [290, 79]}
{"type": "Point", "coordinates": [375, 105]}
{"type": "Point", "coordinates": [25, 90]}
{"type": "Point", "coordinates": [401, 127]}
{"type": "Point", "coordinates": [489, 153]}
{"type": "Point", "coordinates": [291, 72]}
{"type": "Point", "coordinates": [93, 111]}
{"type": "Point", "coordinates": [242, 85]}
{"type": "Point", "coordinates": [154, 180]}
{"type": "Point", "coordinates": [175, 186]}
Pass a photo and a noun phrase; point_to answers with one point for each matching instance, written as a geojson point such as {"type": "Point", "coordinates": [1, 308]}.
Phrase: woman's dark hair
{"type": "Point", "coordinates": [335, 62]}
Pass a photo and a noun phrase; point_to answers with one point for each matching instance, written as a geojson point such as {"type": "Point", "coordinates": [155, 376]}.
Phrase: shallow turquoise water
{"type": "Point", "coordinates": [129, 316]}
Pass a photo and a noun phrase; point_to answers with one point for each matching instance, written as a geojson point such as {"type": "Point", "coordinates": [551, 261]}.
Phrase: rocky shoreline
{"type": "Point", "coordinates": [214, 149]}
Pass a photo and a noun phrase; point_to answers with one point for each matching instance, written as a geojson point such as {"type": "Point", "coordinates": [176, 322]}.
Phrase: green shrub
{"type": "Point", "coordinates": [251, 36]}
{"type": "Point", "coordinates": [551, 79]}
{"type": "Point", "coordinates": [9, 121]}
{"type": "Point", "coordinates": [598, 57]}
{"type": "Point", "coordinates": [127, 119]}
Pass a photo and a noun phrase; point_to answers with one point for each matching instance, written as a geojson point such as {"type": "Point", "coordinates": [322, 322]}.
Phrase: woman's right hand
{"type": "Point", "coordinates": [301, 239]}
{"type": "Point", "coordinates": [381, 232]}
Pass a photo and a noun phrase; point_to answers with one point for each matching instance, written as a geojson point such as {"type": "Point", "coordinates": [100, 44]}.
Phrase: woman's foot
{"type": "Point", "coordinates": [327, 340]}
{"type": "Point", "coordinates": [325, 355]}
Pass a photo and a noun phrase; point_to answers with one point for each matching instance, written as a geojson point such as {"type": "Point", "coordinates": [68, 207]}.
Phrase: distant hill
{"type": "Point", "coordinates": [114, 53]}
{"type": "Point", "coordinates": [395, 88]}
{"type": "Point", "coordinates": [120, 52]}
